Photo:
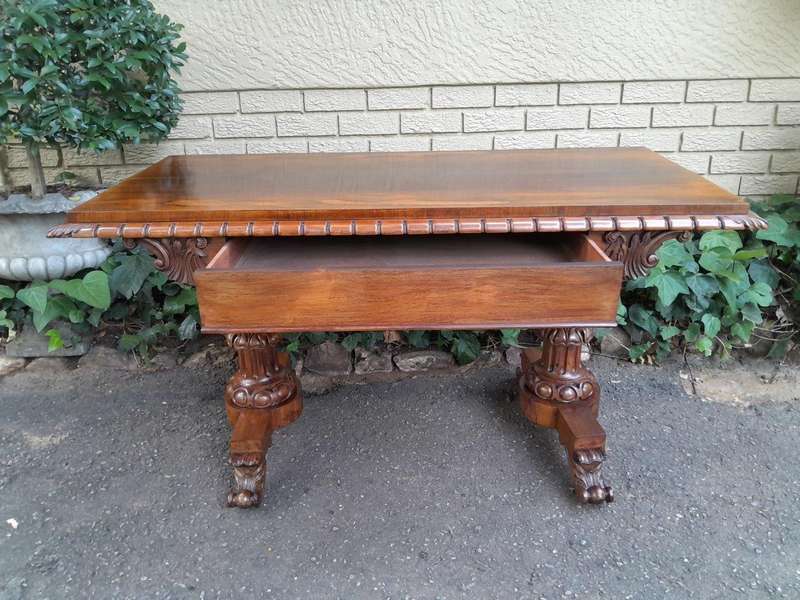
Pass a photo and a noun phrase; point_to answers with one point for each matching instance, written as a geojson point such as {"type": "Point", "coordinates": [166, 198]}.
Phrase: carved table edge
{"type": "Point", "coordinates": [294, 228]}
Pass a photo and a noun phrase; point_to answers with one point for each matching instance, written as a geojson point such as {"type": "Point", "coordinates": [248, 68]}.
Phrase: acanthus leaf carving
{"type": "Point", "coordinates": [637, 250]}
{"type": "Point", "coordinates": [177, 258]}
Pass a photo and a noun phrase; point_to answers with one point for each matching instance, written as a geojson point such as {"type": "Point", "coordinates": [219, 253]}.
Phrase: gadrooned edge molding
{"type": "Point", "coordinates": [295, 228]}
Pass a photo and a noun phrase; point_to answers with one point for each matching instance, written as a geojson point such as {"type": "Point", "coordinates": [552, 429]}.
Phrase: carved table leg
{"type": "Point", "coordinates": [557, 391]}
{"type": "Point", "coordinates": [262, 396]}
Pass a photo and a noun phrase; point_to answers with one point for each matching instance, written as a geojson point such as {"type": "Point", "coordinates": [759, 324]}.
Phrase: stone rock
{"type": "Point", "coordinates": [514, 357]}
{"type": "Point", "coordinates": [313, 384]}
{"type": "Point", "coordinates": [373, 362]}
{"type": "Point", "coordinates": [586, 352]}
{"type": "Point", "coordinates": [329, 358]}
{"type": "Point", "coordinates": [423, 360]}
{"type": "Point", "coordinates": [47, 364]}
{"type": "Point", "coordinates": [213, 355]}
{"type": "Point", "coordinates": [29, 343]}
{"type": "Point", "coordinates": [9, 365]}
{"type": "Point", "coordinates": [616, 342]}
{"type": "Point", "coordinates": [102, 357]}
{"type": "Point", "coordinates": [490, 358]}
{"type": "Point", "coordinates": [166, 359]}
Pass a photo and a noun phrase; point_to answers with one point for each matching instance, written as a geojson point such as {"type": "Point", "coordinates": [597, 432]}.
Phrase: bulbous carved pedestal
{"type": "Point", "coordinates": [260, 397]}
{"type": "Point", "coordinates": [557, 391]}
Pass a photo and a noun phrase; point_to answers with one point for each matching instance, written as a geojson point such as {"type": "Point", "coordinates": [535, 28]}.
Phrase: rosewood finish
{"type": "Point", "coordinates": [379, 241]}
{"type": "Point", "coordinates": [362, 284]}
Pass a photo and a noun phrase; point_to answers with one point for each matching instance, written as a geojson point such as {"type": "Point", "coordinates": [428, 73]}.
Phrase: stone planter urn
{"type": "Point", "coordinates": [27, 254]}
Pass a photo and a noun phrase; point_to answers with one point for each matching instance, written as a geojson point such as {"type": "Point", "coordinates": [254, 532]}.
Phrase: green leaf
{"type": "Point", "coordinates": [510, 337]}
{"type": "Point", "coordinates": [673, 254]}
{"type": "Point", "coordinates": [638, 351]}
{"type": "Point", "coordinates": [129, 276]}
{"type": "Point", "coordinates": [704, 345]}
{"type": "Point", "coordinates": [34, 296]}
{"type": "Point", "coordinates": [729, 240]}
{"type": "Point", "coordinates": [761, 271]}
{"type": "Point", "coordinates": [758, 293]}
{"type": "Point", "coordinates": [717, 259]}
{"type": "Point", "coordinates": [54, 342]}
{"type": "Point", "coordinates": [742, 330]}
{"type": "Point", "coordinates": [669, 285]}
{"type": "Point", "coordinates": [622, 313]}
{"type": "Point", "coordinates": [750, 254]}
{"type": "Point", "coordinates": [643, 318]}
{"type": "Point", "coordinates": [177, 304]}
{"type": "Point", "coordinates": [188, 328]}
{"type": "Point", "coordinates": [39, 19]}
{"type": "Point", "coordinates": [668, 332]}
{"type": "Point", "coordinates": [779, 232]}
{"type": "Point", "coordinates": [466, 347]}
{"type": "Point", "coordinates": [704, 286]}
{"type": "Point", "coordinates": [129, 341]}
{"type": "Point", "coordinates": [6, 322]}
{"type": "Point", "coordinates": [94, 316]}
{"type": "Point", "coordinates": [6, 292]}
{"type": "Point", "coordinates": [778, 349]}
{"type": "Point", "coordinates": [692, 332]}
{"type": "Point", "coordinates": [418, 339]}
{"type": "Point", "coordinates": [752, 313]}
{"type": "Point", "coordinates": [711, 325]}
{"type": "Point", "coordinates": [93, 289]}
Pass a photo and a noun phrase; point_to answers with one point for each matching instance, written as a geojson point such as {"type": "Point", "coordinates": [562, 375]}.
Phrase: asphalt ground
{"type": "Point", "coordinates": [431, 487]}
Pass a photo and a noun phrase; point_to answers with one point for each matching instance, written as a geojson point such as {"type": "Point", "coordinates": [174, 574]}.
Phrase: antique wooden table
{"type": "Point", "coordinates": [451, 240]}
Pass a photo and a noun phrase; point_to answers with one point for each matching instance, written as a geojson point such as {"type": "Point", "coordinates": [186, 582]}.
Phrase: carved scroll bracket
{"type": "Point", "coordinates": [637, 250]}
{"type": "Point", "coordinates": [177, 258]}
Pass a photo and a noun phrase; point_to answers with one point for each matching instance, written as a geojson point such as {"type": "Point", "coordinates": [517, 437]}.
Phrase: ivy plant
{"type": "Point", "coordinates": [127, 294]}
{"type": "Point", "coordinates": [708, 293]}
{"type": "Point", "coordinates": [87, 74]}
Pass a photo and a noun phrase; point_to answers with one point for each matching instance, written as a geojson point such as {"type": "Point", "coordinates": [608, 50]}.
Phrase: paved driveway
{"type": "Point", "coordinates": [433, 487]}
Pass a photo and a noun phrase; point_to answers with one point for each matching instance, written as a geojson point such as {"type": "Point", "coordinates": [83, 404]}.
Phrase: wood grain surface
{"type": "Point", "coordinates": [449, 185]}
{"type": "Point", "coordinates": [436, 282]}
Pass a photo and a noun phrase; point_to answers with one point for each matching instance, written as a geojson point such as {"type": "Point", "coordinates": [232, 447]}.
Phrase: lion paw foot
{"type": "Point", "coordinates": [586, 465]}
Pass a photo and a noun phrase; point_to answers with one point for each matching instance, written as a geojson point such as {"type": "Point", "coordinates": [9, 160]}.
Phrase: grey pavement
{"type": "Point", "coordinates": [432, 487]}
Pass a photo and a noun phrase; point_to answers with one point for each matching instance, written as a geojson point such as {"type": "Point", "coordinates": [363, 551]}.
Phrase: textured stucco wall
{"type": "Point", "coordinates": [245, 44]}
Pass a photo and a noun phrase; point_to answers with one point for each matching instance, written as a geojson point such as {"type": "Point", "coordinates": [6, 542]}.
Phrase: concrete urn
{"type": "Point", "coordinates": [27, 254]}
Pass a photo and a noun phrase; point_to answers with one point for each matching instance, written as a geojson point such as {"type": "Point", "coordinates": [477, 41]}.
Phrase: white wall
{"type": "Point", "coordinates": [244, 44]}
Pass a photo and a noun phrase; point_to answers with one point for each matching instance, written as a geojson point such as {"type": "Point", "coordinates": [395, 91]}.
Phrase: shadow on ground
{"type": "Point", "coordinates": [425, 488]}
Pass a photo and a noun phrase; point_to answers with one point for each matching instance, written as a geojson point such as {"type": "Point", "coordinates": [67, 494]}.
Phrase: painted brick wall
{"type": "Point", "coordinates": [742, 134]}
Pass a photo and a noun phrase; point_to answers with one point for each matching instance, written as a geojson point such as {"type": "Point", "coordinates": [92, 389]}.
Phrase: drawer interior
{"type": "Point", "coordinates": [408, 282]}
{"type": "Point", "coordinates": [405, 252]}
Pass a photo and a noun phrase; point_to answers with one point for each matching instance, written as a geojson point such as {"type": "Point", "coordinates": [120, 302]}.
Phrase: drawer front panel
{"type": "Point", "coordinates": [562, 294]}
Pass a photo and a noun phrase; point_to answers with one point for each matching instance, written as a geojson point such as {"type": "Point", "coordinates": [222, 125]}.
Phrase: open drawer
{"type": "Point", "coordinates": [408, 282]}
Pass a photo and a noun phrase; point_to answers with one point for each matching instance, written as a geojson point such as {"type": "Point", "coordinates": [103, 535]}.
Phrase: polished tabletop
{"type": "Point", "coordinates": [456, 185]}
